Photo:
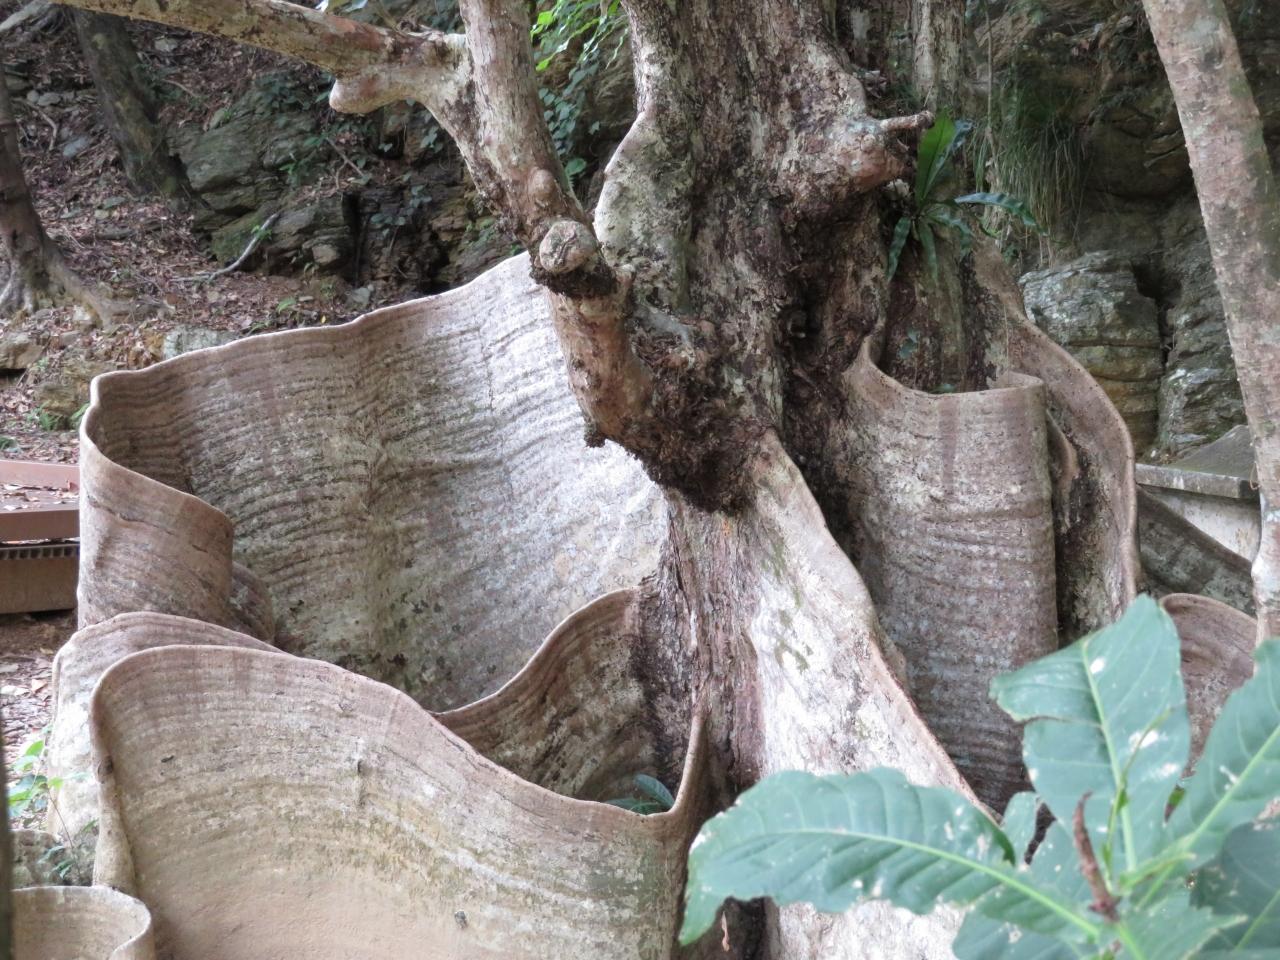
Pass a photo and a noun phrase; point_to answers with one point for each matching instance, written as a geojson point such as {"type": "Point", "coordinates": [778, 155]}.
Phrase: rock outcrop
{"type": "Point", "coordinates": [1093, 307]}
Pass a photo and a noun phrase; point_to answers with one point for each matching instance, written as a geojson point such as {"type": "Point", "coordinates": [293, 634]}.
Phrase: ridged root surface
{"type": "Point", "coordinates": [80, 923]}
{"type": "Point", "coordinates": [407, 495]}
{"type": "Point", "coordinates": [954, 534]}
{"type": "Point", "coordinates": [272, 805]}
{"type": "Point", "coordinates": [266, 805]}
{"type": "Point", "coordinates": [1217, 656]}
{"type": "Point", "coordinates": [77, 668]}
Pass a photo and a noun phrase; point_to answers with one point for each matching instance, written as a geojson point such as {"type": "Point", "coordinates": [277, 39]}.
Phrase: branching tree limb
{"type": "Point", "coordinates": [341, 46]}
{"type": "Point", "coordinates": [1241, 207]}
{"type": "Point", "coordinates": [656, 367]}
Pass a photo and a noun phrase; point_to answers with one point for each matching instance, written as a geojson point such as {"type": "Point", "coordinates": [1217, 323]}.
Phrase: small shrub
{"type": "Point", "coordinates": [593, 33]}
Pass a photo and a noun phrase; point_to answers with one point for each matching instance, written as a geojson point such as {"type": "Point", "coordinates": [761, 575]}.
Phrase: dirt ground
{"type": "Point", "coordinates": [27, 645]}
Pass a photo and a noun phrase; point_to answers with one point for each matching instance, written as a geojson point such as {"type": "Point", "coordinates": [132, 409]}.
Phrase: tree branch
{"type": "Point", "coordinates": [481, 86]}
{"type": "Point", "coordinates": [346, 48]}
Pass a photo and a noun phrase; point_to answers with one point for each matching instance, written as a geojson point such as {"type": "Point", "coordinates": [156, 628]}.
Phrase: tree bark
{"type": "Point", "coordinates": [128, 106]}
{"type": "Point", "coordinates": [21, 234]}
{"type": "Point", "coordinates": [6, 854]}
{"type": "Point", "coordinates": [1241, 208]}
{"type": "Point", "coordinates": [38, 274]}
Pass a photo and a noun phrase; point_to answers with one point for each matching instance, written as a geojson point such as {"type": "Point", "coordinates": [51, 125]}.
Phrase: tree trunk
{"type": "Point", "coordinates": [6, 856]}
{"type": "Point", "coordinates": [1241, 208]}
{"type": "Point", "coordinates": [38, 275]}
{"type": "Point", "coordinates": [21, 234]}
{"type": "Point", "coordinates": [127, 104]}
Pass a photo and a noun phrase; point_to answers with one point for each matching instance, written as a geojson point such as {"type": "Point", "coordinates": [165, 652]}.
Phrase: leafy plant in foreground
{"type": "Point", "coordinates": [929, 211]}
{"type": "Point", "coordinates": [1116, 875]}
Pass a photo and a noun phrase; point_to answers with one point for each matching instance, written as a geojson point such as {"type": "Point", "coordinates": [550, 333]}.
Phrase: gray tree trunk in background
{"type": "Point", "coordinates": [1241, 207]}
{"type": "Point", "coordinates": [128, 105]}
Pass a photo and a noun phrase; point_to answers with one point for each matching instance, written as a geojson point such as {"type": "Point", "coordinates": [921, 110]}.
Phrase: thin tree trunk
{"type": "Point", "coordinates": [6, 860]}
{"type": "Point", "coordinates": [128, 106]}
{"type": "Point", "coordinates": [938, 54]}
{"type": "Point", "coordinates": [1241, 208]}
{"type": "Point", "coordinates": [38, 274]}
{"type": "Point", "coordinates": [21, 235]}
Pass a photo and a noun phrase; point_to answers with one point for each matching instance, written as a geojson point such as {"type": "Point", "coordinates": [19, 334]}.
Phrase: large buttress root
{"type": "Point", "coordinates": [267, 805]}
{"type": "Point", "coordinates": [794, 674]}
{"type": "Point", "coordinates": [350, 789]}
{"type": "Point", "coordinates": [1217, 657]}
{"type": "Point", "coordinates": [411, 490]}
{"type": "Point", "coordinates": [600, 702]}
{"type": "Point", "coordinates": [756, 627]}
{"type": "Point", "coordinates": [69, 923]}
{"type": "Point", "coordinates": [77, 669]}
{"type": "Point", "coordinates": [953, 530]}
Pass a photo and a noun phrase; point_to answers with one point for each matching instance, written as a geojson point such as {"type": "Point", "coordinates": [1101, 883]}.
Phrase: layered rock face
{"type": "Point", "coordinates": [1129, 288]}
{"type": "Point", "coordinates": [1093, 307]}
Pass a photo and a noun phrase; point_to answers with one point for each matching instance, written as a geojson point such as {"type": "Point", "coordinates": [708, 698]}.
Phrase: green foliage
{"type": "Point", "coordinates": [929, 211]}
{"type": "Point", "coordinates": [31, 798]}
{"type": "Point", "coordinates": [8, 443]}
{"type": "Point", "coordinates": [593, 34]}
{"type": "Point", "coordinates": [1032, 148]}
{"type": "Point", "coordinates": [29, 793]}
{"type": "Point", "coordinates": [653, 796]}
{"type": "Point", "coordinates": [54, 422]}
{"type": "Point", "coordinates": [1243, 881]}
{"type": "Point", "coordinates": [1106, 741]}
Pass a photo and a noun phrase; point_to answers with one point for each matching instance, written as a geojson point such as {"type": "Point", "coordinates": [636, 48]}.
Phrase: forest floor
{"type": "Point", "coordinates": [28, 643]}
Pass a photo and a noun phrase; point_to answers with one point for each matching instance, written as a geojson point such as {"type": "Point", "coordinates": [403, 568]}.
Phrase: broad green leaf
{"type": "Point", "coordinates": [930, 249]}
{"type": "Point", "coordinates": [1239, 771]}
{"type": "Point", "coordinates": [938, 145]}
{"type": "Point", "coordinates": [1244, 881]}
{"type": "Point", "coordinates": [981, 938]}
{"type": "Point", "coordinates": [1107, 716]}
{"type": "Point", "coordinates": [638, 805]}
{"type": "Point", "coordinates": [1005, 202]}
{"type": "Point", "coordinates": [930, 154]}
{"type": "Point", "coordinates": [655, 790]}
{"type": "Point", "coordinates": [1019, 822]}
{"type": "Point", "coordinates": [1055, 870]}
{"type": "Point", "coordinates": [1172, 929]}
{"type": "Point", "coordinates": [944, 216]}
{"type": "Point", "coordinates": [900, 232]}
{"type": "Point", "coordinates": [833, 840]}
